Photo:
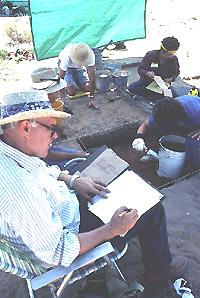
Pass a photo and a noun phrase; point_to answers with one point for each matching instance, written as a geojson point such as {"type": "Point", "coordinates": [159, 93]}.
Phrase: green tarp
{"type": "Point", "coordinates": [95, 22]}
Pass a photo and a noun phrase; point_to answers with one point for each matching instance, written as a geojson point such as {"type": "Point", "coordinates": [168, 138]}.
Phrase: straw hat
{"type": "Point", "coordinates": [81, 54]}
{"type": "Point", "coordinates": [27, 105]}
{"type": "Point", "coordinates": [46, 78]}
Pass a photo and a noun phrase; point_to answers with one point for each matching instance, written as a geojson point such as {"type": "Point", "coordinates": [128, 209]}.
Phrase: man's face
{"type": "Point", "coordinates": [41, 136]}
{"type": "Point", "coordinates": [166, 54]}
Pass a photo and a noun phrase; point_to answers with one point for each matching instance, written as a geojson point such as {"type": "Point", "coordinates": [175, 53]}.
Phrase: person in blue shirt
{"type": "Point", "coordinates": [168, 114]}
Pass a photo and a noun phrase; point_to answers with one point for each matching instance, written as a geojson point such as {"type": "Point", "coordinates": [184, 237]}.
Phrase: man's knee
{"type": "Point", "coordinates": [71, 91]}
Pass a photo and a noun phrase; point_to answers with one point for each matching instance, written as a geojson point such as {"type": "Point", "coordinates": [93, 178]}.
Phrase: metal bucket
{"type": "Point", "coordinates": [103, 80]}
{"type": "Point", "coordinates": [120, 79]}
{"type": "Point", "coordinates": [171, 156]}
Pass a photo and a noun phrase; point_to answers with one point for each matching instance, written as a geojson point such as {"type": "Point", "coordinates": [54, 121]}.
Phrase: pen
{"type": "Point", "coordinates": [124, 212]}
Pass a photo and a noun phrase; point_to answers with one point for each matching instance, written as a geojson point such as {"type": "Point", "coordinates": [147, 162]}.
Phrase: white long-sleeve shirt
{"type": "Point", "coordinates": [38, 213]}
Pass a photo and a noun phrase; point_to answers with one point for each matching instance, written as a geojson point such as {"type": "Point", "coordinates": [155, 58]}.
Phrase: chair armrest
{"type": "Point", "coordinates": [82, 260]}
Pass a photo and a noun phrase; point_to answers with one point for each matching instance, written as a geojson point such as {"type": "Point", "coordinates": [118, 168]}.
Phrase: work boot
{"type": "Point", "coordinates": [153, 282]}
{"type": "Point", "coordinates": [177, 268]}
{"type": "Point", "coordinates": [152, 293]}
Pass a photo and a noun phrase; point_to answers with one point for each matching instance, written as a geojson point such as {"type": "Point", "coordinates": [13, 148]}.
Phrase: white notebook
{"type": "Point", "coordinates": [127, 190]}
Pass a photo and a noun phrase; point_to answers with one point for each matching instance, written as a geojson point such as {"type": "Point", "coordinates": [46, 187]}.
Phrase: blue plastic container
{"type": "Point", "coordinates": [112, 66]}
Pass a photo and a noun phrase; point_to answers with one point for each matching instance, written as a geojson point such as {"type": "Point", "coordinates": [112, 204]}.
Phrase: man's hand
{"type": "Point", "coordinates": [122, 221]}
{"type": "Point", "coordinates": [139, 145]}
{"type": "Point", "coordinates": [82, 154]}
{"type": "Point", "coordinates": [150, 74]}
{"type": "Point", "coordinates": [87, 188]}
{"type": "Point", "coordinates": [168, 80]}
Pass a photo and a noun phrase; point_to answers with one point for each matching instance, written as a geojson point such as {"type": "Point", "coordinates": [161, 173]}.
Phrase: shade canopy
{"type": "Point", "coordinates": [57, 23]}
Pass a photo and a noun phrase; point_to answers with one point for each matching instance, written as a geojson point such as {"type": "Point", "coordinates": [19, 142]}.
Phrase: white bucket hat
{"type": "Point", "coordinates": [46, 78]}
{"type": "Point", "coordinates": [81, 54]}
{"type": "Point", "coordinates": [27, 105]}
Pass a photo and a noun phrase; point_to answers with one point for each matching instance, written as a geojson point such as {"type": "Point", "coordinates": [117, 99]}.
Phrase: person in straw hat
{"type": "Point", "coordinates": [39, 209]}
{"type": "Point", "coordinates": [76, 63]}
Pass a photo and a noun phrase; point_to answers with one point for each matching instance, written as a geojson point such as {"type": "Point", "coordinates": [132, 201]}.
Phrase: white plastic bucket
{"type": "Point", "coordinates": [171, 156]}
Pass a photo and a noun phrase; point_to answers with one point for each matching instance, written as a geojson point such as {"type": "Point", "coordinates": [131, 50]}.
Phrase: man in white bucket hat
{"type": "Point", "coordinates": [77, 66]}
{"type": "Point", "coordinates": [39, 210]}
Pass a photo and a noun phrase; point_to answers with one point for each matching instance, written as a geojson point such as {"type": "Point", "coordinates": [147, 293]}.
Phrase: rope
{"type": "Point", "coordinates": [141, 105]}
{"type": "Point", "coordinates": [178, 179]}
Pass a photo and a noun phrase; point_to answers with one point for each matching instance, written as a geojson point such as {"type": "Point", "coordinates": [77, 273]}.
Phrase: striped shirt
{"type": "Point", "coordinates": [38, 213]}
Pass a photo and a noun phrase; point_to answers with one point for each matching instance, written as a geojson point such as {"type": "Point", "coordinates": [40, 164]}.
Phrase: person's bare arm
{"type": "Point", "coordinates": [57, 155]}
{"type": "Point", "coordinates": [91, 75]}
{"type": "Point", "coordinates": [143, 127]}
{"type": "Point", "coordinates": [62, 73]}
{"type": "Point", "coordinates": [120, 224]}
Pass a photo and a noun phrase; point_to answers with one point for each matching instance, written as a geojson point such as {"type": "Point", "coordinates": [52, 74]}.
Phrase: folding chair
{"type": "Point", "coordinates": [57, 278]}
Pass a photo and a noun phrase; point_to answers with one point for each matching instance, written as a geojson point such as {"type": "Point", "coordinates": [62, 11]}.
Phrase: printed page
{"type": "Point", "coordinates": [127, 190]}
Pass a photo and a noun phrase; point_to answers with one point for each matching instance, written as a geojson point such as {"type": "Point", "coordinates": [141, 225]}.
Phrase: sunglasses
{"type": "Point", "coordinates": [53, 80]}
{"type": "Point", "coordinates": [52, 128]}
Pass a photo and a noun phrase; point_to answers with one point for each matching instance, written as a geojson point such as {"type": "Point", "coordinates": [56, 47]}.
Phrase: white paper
{"type": "Point", "coordinates": [160, 82]}
{"type": "Point", "coordinates": [164, 86]}
{"type": "Point", "coordinates": [127, 190]}
{"type": "Point", "coordinates": [159, 86]}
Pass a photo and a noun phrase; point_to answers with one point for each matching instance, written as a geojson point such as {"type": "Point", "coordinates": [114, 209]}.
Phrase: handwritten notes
{"type": "Point", "coordinates": [127, 190]}
{"type": "Point", "coordinates": [106, 167]}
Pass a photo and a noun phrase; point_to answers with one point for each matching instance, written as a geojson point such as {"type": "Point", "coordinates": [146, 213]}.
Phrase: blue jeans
{"type": "Point", "coordinates": [139, 88]}
{"type": "Point", "coordinates": [61, 164]}
{"type": "Point", "coordinates": [151, 231]}
{"type": "Point", "coordinates": [75, 76]}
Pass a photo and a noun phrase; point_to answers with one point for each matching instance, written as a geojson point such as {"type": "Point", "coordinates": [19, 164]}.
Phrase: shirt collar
{"type": "Point", "coordinates": [30, 163]}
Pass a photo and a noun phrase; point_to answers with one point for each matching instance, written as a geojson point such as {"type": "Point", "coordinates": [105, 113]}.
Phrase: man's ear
{"type": "Point", "coordinates": [24, 127]}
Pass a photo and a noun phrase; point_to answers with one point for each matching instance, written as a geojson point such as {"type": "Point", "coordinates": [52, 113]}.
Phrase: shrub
{"type": "Point", "coordinates": [18, 30]}
{"type": "Point", "coordinates": [3, 54]}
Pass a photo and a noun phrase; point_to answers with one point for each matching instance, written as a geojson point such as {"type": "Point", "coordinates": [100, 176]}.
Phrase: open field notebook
{"type": "Point", "coordinates": [127, 190]}
{"type": "Point", "coordinates": [106, 167]}
{"type": "Point", "coordinates": [159, 86]}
